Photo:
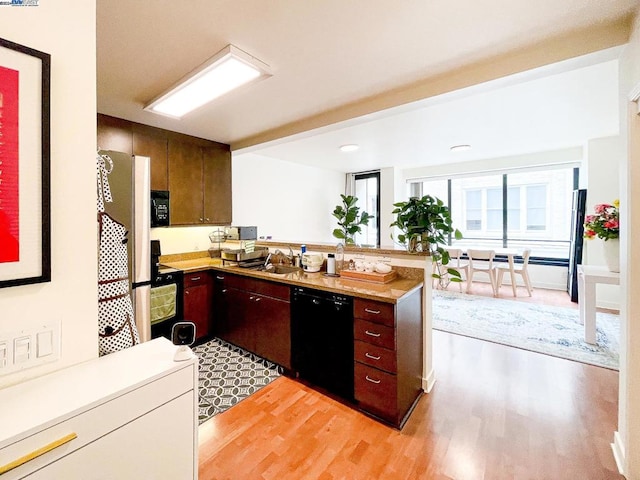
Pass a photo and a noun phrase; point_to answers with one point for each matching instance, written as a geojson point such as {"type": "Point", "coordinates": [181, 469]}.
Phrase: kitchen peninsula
{"type": "Point", "coordinates": [382, 345]}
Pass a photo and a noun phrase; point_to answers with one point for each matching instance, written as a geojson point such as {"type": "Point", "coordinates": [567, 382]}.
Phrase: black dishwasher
{"type": "Point", "coordinates": [322, 340]}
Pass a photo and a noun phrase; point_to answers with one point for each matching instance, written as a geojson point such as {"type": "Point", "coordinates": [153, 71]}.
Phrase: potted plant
{"type": "Point", "coordinates": [426, 224]}
{"type": "Point", "coordinates": [349, 219]}
{"type": "Point", "coordinates": [605, 224]}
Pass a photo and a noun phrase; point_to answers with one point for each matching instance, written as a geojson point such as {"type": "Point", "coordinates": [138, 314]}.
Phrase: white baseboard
{"type": "Point", "coordinates": [618, 452]}
{"type": "Point", "coordinates": [429, 381]}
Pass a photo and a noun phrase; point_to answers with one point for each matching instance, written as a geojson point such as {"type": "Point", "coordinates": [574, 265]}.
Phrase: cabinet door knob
{"type": "Point", "coordinates": [258, 299]}
{"type": "Point", "coordinates": [371, 379]}
{"type": "Point", "coordinates": [207, 219]}
{"type": "Point", "coordinates": [372, 334]}
{"type": "Point", "coordinates": [201, 220]}
{"type": "Point", "coordinates": [224, 290]}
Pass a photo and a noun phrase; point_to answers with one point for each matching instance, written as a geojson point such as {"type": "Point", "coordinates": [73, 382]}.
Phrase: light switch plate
{"type": "Point", "coordinates": [30, 346]}
{"type": "Point", "coordinates": [4, 353]}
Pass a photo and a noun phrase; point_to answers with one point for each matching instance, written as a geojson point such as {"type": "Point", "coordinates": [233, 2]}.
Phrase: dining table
{"type": "Point", "coordinates": [509, 252]}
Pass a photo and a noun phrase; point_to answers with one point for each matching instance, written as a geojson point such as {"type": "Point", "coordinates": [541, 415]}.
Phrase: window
{"type": "Point", "coordinates": [480, 205]}
{"type": "Point", "coordinates": [367, 188]}
{"type": "Point", "coordinates": [536, 207]}
{"type": "Point", "coordinates": [473, 208]}
{"type": "Point", "coordinates": [513, 209]}
{"type": "Point", "coordinates": [494, 209]}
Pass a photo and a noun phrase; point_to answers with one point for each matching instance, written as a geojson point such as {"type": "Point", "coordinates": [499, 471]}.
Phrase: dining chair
{"type": "Point", "coordinates": [519, 269]}
{"type": "Point", "coordinates": [481, 261]}
{"type": "Point", "coordinates": [455, 263]}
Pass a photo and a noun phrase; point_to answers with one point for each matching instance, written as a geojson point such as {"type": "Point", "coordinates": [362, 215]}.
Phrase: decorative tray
{"type": "Point", "coordinates": [369, 276]}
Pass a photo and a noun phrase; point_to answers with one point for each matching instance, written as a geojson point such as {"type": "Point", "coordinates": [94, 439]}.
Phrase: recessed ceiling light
{"type": "Point", "coordinates": [352, 147]}
{"type": "Point", "coordinates": [228, 69]}
{"type": "Point", "coordinates": [460, 148]}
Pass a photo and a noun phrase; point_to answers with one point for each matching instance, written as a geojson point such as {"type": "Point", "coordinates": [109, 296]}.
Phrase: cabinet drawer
{"type": "Point", "coordinates": [95, 422]}
{"type": "Point", "coordinates": [375, 356]}
{"type": "Point", "coordinates": [374, 333]}
{"type": "Point", "coordinates": [196, 278]}
{"type": "Point", "coordinates": [377, 312]}
{"type": "Point", "coordinates": [375, 391]}
{"type": "Point", "coordinates": [263, 287]}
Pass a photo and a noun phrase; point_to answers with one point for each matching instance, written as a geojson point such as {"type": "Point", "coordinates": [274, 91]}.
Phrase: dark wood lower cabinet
{"type": "Point", "coordinates": [197, 302]}
{"type": "Point", "coordinates": [388, 356]}
{"type": "Point", "coordinates": [255, 315]}
{"type": "Point", "coordinates": [388, 343]}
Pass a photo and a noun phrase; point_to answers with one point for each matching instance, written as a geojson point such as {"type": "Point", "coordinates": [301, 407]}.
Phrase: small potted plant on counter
{"type": "Point", "coordinates": [426, 224]}
{"type": "Point", "coordinates": [350, 219]}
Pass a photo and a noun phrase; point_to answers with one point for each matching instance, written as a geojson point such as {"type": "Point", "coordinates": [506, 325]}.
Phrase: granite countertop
{"type": "Point", "coordinates": [390, 292]}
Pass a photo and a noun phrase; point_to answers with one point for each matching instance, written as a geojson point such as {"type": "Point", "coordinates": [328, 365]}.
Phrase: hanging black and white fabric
{"type": "Point", "coordinates": [116, 321]}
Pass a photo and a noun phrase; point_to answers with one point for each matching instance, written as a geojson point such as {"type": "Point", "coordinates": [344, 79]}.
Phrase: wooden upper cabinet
{"type": "Point", "coordinates": [217, 185]}
{"type": "Point", "coordinates": [185, 183]}
{"type": "Point", "coordinates": [114, 134]}
{"type": "Point", "coordinates": [149, 143]}
{"type": "Point", "coordinates": [197, 172]}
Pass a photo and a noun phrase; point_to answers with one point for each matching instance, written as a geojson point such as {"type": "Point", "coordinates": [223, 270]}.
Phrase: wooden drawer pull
{"type": "Point", "coordinates": [372, 334]}
{"type": "Point", "coordinates": [37, 453]}
{"type": "Point", "coordinates": [372, 357]}
{"type": "Point", "coordinates": [375, 312]}
{"type": "Point", "coordinates": [372, 380]}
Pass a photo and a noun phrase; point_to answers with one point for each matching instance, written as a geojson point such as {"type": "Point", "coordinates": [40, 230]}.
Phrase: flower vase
{"type": "Point", "coordinates": [612, 254]}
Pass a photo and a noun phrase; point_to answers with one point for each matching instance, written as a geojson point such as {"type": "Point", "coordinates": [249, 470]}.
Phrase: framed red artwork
{"type": "Point", "coordinates": [25, 238]}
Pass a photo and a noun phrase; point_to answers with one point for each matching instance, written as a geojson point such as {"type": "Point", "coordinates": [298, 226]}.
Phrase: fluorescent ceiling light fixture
{"type": "Point", "coordinates": [460, 148]}
{"type": "Point", "coordinates": [228, 69]}
{"type": "Point", "coordinates": [352, 147]}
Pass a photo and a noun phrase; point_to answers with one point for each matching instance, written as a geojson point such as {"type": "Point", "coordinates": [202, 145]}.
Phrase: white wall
{"type": "Point", "coordinates": [288, 201]}
{"type": "Point", "coordinates": [66, 29]}
{"type": "Point", "coordinates": [603, 159]}
{"type": "Point", "coordinates": [551, 157]}
{"type": "Point", "coordinates": [627, 438]}
{"type": "Point", "coordinates": [183, 239]}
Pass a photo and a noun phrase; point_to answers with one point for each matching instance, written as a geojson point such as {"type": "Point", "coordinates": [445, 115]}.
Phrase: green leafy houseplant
{"type": "Point", "coordinates": [349, 219]}
{"type": "Point", "coordinates": [426, 224]}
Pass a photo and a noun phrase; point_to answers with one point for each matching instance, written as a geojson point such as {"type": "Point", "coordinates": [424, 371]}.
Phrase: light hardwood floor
{"type": "Point", "coordinates": [494, 413]}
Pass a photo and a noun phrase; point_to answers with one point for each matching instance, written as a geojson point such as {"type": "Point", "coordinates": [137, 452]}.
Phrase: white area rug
{"type": "Point", "coordinates": [540, 328]}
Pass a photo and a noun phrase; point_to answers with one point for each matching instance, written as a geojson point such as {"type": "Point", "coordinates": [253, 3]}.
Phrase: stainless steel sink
{"type": "Point", "coordinates": [282, 269]}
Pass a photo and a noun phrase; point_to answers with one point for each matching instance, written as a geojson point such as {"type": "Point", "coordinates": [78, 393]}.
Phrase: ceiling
{"type": "Point", "coordinates": [327, 55]}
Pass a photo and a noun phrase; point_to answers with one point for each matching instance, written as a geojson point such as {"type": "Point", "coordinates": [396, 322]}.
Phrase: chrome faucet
{"type": "Point", "coordinates": [290, 257]}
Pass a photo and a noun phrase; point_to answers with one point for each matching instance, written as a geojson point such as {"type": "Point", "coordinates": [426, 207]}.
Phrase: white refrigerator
{"type": "Point", "coordinates": [130, 184]}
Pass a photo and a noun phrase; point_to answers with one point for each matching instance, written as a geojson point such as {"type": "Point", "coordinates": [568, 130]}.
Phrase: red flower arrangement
{"type": "Point", "coordinates": [604, 223]}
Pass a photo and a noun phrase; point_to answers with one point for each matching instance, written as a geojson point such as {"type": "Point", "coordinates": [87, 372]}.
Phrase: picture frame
{"type": "Point", "coordinates": [25, 204]}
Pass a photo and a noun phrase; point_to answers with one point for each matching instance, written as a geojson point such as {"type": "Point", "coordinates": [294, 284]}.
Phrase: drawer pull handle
{"type": "Point", "coordinates": [218, 277]}
{"type": "Point", "coordinates": [372, 357]}
{"type": "Point", "coordinates": [258, 299]}
{"type": "Point", "coordinates": [195, 279]}
{"type": "Point", "coordinates": [372, 380]}
{"type": "Point", "coordinates": [37, 453]}
{"type": "Point", "coordinates": [372, 334]}
{"type": "Point", "coordinates": [375, 312]}
{"type": "Point", "coordinates": [224, 290]}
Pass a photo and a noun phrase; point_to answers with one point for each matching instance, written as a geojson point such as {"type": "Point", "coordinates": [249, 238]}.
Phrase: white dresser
{"type": "Point", "coordinates": [128, 415]}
